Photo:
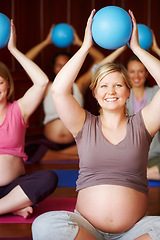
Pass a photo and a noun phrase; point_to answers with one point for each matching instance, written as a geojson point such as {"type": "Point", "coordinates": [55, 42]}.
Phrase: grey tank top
{"type": "Point", "coordinates": [123, 164]}
{"type": "Point", "coordinates": [50, 112]}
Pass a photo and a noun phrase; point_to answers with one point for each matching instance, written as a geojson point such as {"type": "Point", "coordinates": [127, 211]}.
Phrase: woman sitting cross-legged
{"type": "Point", "coordinates": [19, 192]}
{"type": "Point", "coordinates": [113, 149]}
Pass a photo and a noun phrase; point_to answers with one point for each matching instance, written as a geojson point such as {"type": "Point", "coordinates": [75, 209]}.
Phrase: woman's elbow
{"type": "Point", "coordinates": [45, 82]}
{"type": "Point", "coordinates": [54, 91]}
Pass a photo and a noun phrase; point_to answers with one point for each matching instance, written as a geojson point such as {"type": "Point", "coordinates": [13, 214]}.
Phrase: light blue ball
{"type": "Point", "coordinates": [62, 35]}
{"type": "Point", "coordinates": [145, 36]}
{"type": "Point", "coordinates": [4, 30]}
{"type": "Point", "coordinates": [111, 27]}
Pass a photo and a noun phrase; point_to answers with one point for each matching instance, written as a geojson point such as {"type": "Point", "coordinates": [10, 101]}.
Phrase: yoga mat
{"type": "Point", "coordinates": [49, 204]}
{"type": "Point", "coordinates": [57, 162]}
{"type": "Point", "coordinates": [154, 183]}
{"type": "Point", "coordinates": [67, 178]}
{"type": "Point", "coordinates": [21, 238]}
{"type": "Point", "coordinates": [61, 161]}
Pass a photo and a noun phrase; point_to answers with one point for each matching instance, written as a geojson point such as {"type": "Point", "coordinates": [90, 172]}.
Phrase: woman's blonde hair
{"type": "Point", "coordinates": [5, 73]}
{"type": "Point", "coordinates": [107, 68]}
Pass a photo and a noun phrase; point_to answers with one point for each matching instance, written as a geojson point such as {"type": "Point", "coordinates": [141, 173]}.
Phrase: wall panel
{"type": "Point", "coordinates": [33, 20]}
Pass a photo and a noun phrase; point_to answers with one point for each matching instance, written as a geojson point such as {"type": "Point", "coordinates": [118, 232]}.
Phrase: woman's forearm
{"type": "Point", "coordinates": [35, 73]}
{"type": "Point", "coordinates": [151, 63]}
{"type": "Point", "coordinates": [65, 78]}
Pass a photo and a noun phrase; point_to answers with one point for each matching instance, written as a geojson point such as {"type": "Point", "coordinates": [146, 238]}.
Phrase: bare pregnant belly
{"type": "Point", "coordinates": [110, 208]}
{"type": "Point", "coordinates": [11, 167]}
{"type": "Point", "coordinates": [57, 132]}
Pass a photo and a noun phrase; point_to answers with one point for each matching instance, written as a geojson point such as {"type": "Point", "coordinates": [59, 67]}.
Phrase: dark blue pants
{"type": "Point", "coordinates": [37, 185]}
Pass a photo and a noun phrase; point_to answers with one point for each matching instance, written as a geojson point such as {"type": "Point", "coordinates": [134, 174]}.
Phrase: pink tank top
{"type": "Point", "coordinates": [12, 132]}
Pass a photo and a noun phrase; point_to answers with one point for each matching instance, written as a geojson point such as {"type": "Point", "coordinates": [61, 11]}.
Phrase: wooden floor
{"type": "Point", "coordinates": [23, 230]}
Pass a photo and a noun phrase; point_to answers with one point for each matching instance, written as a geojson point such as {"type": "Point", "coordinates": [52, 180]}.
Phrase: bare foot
{"type": "Point", "coordinates": [24, 212]}
{"type": "Point", "coordinates": [153, 173]}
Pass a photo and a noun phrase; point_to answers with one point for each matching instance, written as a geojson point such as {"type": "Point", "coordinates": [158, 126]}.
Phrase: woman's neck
{"type": "Point", "coordinates": [138, 93]}
{"type": "Point", "coordinates": [113, 120]}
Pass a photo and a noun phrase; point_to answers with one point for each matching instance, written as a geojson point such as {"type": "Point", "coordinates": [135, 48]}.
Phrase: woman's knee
{"type": "Point", "coordinates": [47, 183]}
{"type": "Point", "coordinates": [50, 179]}
{"type": "Point", "coordinates": [54, 225]}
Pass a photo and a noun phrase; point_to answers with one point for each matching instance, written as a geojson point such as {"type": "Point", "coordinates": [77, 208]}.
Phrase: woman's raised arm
{"type": "Point", "coordinates": [32, 98]}
{"type": "Point", "coordinates": [67, 107]}
{"type": "Point", "coordinates": [151, 112]}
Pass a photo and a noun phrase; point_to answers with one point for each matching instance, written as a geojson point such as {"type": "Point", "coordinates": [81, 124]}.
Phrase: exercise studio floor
{"type": "Point", "coordinates": [64, 197]}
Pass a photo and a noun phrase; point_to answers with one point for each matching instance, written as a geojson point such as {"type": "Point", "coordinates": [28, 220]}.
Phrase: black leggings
{"type": "Point", "coordinates": [36, 185]}
{"type": "Point", "coordinates": [35, 150]}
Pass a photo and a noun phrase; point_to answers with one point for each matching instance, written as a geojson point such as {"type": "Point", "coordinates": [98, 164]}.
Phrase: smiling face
{"type": "Point", "coordinates": [4, 86]}
{"type": "Point", "coordinates": [6, 81]}
{"type": "Point", "coordinates": [137, 73]}
{"type": "Point", "coordinates": [112, 92]}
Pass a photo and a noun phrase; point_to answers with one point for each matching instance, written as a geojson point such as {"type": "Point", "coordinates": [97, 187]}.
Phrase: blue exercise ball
{"type": "Point", "coordinates": [111, 27]}
{"type": "Point", "coordinates": [145, 36]}
{"type": "Point", "coordinates": [62, 35]}
{"type": "Point", "coordinates": [4, 30]}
